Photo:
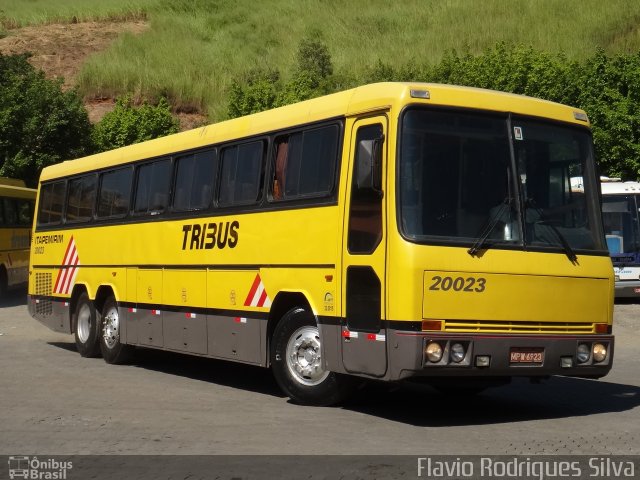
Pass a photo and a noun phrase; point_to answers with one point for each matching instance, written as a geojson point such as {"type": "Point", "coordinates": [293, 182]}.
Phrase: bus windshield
{"type": "Point", "coordinates": [620, 216]}
{"type": "Point", "coordinates": [465, 175]}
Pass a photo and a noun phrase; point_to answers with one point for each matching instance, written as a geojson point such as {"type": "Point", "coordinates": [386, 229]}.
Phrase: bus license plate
{"type": "Point", "coordinates": [527, 355]}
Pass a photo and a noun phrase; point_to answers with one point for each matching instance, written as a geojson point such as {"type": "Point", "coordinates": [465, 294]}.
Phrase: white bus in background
{"type": "Point", "coordinates": [620, 206]}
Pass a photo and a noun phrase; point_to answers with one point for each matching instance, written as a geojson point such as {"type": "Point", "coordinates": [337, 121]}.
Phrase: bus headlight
{"type": "Point", "coordinates": [583, 354]}
{"type": "Point", "coordinates": [433, 351]}
{"type": "Point", "coordinates": [457, 352]}
{"type": "Point", "coordinates": [599, 352]}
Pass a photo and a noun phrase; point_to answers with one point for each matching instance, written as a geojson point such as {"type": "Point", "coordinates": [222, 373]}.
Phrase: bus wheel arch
{"type": "Point", "coordinates": [295, 350]}
{"type": "Point", "coordinates": [284, 302]}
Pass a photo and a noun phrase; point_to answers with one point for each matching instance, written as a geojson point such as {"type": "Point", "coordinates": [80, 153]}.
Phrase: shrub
{"type": "Point", "coordinates": [127, 124]}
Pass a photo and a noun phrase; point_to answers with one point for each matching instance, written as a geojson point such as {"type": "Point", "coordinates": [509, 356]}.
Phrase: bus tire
{"type": "Point", "coordinates": [296, 362]}
{"type": "Point", "coordinates": [113, 350]}
{"type": "Point", "coordinates": [86, 327]}
{"type": "Point", "coordinates": [4, 283]}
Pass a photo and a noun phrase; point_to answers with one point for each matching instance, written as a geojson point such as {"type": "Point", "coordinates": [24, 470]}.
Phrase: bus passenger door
{"type": "Point", "coordinates": [363, 269]}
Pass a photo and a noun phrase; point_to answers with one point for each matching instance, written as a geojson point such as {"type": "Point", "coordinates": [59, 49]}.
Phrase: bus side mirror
{"type": "Point", "coordinates": [369, 165]}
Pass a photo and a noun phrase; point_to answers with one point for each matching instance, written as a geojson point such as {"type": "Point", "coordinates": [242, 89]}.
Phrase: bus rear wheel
{"type": "Point", "coordinates": [297, 364]}
{"type": "Point", "coordinates": [86, 327]}
{"type": "Point", "coordinates": [113, 350]}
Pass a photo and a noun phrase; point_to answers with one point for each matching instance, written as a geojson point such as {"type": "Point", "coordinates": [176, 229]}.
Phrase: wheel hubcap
{"type": "Point", "coordinates": [303, 356]}
{"type": "Point", "coordinates": [84, 323]}
{"type": "Point", "coordinates": [111, 328]}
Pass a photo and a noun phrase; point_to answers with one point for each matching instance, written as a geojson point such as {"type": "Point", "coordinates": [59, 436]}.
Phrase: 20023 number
{"type": "Point", "coordinates": [458, 284]}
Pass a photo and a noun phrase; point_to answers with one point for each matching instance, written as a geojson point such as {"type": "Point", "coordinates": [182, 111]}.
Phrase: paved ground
{"type": "Point", "coordinates": [54, 402]}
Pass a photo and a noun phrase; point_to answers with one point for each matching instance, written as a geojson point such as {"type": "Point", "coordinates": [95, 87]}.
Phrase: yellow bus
{"type": "Point", "coordinates": [16, 218]}
{"type": "Point", "coordinates": [393, 231]}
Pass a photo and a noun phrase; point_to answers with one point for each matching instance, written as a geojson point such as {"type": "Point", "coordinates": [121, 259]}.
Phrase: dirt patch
{"type": "Point", "coordinates": [61, 49]}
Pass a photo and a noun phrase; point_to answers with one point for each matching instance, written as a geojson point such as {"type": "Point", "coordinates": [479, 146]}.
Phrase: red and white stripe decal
{"type": "Point", "coordinates": [369, 336]}
{"type": "Point", "coordinates": [257, 295]}
{"type": "Point", "coordinates": [376, 336]}
{"type": "Point", "coordinates": [349, 334]}
{"type": "Point", "coordinates": [67, 274]}
{"type": "Point", "coordinates": [133, 310]}
{"type": "Point", "coordinates": [240, 320]}
{"type": "Point", "coordinates": [155, 312]}
{"type": "Point", "coordinates": [190, 315]}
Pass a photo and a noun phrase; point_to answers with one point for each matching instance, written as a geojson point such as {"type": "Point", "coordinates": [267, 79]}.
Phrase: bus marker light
{"type": "Point", "coordinates": [580, 116]}
{"type": "Point", "coordinates": [433, 351]}
{"type": "Point", "coordinates": [599, 352]}
{"type": "Point", "coordinates": [431, 325]}
{"type": "Point", "coordinates": [602, 328]}
{"type": "Point", "coordinates": [483, 360]}
{"type": "Point", "coordinates": [566, 362]}
{"type": "Point", "coordinates": [420, 94]}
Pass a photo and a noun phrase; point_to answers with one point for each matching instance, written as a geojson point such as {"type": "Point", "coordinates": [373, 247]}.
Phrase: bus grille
{"type": "Point", "coordinates": [500, 326]}
{"type": "Point", "coordinates": [43, 284]}
{"type": "Point", "coordinates": [43, 288]}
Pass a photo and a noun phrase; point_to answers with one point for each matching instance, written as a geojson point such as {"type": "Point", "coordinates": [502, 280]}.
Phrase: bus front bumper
{"type": "Point", "coordinates": [627, 289]}
{"type": "Point", "coordinates": [416, 354]}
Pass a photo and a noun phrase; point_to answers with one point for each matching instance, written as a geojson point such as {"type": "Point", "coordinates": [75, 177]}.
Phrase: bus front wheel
{"type": "Point", "coordinates": [297, 364]}
{"type": "Point", "coordinates": [86, 327]}
{"type": "Point", "coordinates": [113, 350]}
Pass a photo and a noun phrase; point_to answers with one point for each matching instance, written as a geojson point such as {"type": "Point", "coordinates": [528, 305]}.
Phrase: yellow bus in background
{"type": "Point", "coordinates": [393, 231]}
{"type": "Point", "coordinates": [16, 217]}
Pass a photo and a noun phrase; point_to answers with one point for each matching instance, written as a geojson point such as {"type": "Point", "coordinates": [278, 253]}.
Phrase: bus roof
{"type": "Point", "coordinates": [14, 188]}
{"type": "Point", "coordinates": [620, 188]}
{"type": "Point", "coordinates": [367, 98]}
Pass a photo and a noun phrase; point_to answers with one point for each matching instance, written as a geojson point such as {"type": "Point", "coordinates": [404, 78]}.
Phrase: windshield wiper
{"type": "Point", "coordinates": [568, 250]}
{"type": "Point", "coordinates": [490, 224]}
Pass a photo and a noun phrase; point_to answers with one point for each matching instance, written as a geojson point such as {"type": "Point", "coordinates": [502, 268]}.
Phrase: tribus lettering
{"type": "Point", "coordinates": [209, 235]}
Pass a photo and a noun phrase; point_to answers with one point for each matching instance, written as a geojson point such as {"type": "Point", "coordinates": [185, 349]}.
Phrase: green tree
{"type": "Point", "coordinates": [39, 123]}
{"type": "Point", "coordinates": [127, 124]}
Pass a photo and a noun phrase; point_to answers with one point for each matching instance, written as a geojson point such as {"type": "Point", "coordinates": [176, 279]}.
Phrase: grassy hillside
{"type": "Point", "coordinates": [194, 48]}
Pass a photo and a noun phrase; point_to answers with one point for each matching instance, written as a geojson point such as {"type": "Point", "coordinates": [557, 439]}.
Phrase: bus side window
{"type": "Point", "coordinates": [305, 164]}
{"type": "Point", "coordinates": [25, 212]}
{"type": "Point", "coordinates": [10, 212]}
{"type": "Point", "coordinates": [241, 174]}
{"type": "Point", "coordinates": [115, 193]}
{"type": "Point", "coordinates": [51, 203]}
{"type": "Point", "coordinates": [194, 181]}
{"type": "Point", "coordinates": [81, 198]}
{"type": "Point", "coordinates": [152, 189]}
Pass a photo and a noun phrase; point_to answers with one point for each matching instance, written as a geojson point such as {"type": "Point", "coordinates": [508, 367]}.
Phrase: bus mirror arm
{"type": "Point", "coordinates": [369, 165]}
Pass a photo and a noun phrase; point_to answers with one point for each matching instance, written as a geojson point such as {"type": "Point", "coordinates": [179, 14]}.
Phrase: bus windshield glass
{"type": "Point", "coordinates": [465, 176]}
{"type": "Point", "coordinates": [620, 216]}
